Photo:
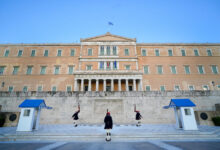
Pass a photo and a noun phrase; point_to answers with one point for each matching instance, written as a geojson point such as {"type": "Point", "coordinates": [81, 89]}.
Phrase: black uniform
{"type": "Point", "coordinates": [138, 116]}
{"type": "Point", "coordinates": [75, 115]}
{"type": "Point", "coordinates": [108, 122]}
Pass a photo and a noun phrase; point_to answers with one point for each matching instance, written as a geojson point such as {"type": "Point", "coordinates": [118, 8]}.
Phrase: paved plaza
{"type": "Point", "coordinates": [138, 145]}
{"type": "Point", "coordinates": [124, 137]}
{"type": "Point", "coordinates": [83, 132]}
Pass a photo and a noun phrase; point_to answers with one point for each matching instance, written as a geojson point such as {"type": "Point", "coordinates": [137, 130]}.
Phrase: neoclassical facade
{"type": "Point", "coordinates": [109, 63]}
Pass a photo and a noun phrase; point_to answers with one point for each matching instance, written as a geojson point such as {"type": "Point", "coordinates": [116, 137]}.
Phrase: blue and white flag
{"type": "Point", "coordinates": [101, 64]}
{"type": "Point", "coordinates": [110, 23]}
{"type": "Point", "coordinates": [115, 64]}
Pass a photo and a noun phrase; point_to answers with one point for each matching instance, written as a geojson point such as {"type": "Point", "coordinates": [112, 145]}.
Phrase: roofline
{"type": "Point", "coordinates": [41, 44]}
{"type": "Point", "coordinates": [108, 33]}
{"type": "Point", "coordinates": [178, 44]}
{"type": "Point", "coordinates": [138, 44]}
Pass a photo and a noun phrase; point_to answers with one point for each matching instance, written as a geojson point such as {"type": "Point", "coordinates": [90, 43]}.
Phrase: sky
{"type": "Point", "coordinates": [149, 21]}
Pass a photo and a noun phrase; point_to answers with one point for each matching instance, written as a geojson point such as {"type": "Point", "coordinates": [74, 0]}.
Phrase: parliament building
{"type": "Point", "coordinates": [110, 72]}
{"type": "Point", "coordinates": [109, 63]}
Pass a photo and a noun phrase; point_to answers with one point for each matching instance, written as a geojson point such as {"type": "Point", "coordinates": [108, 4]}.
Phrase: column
{"type": "Point", "coordinates": [76, 85]}
{"type": "Point", "coordinates": [89, 88]}
{"type": "Point", "coordinates": [104, 84]}
{"type": "Point", "coordinates": [119, 84]}
{"type": "Point", "coordinates": [105, 64]}
{"type": "Point", "coordinates": [112, 84]}
{"type": "Point", "coordinates": [140, 85]}
{"type": "Point", "coordinates": [126, 84]}
{"type": "Point", "coordinates": [111, 64]}
{"type": "Point", "coordinates": [134, 84]}
{"type": "Point", "coordinates": [97, 84]}
{"type": "Point", "coordinates": [82, 84]}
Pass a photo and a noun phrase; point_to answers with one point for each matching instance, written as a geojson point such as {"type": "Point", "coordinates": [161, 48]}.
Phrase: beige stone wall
{"type": "Point", "coordinates": [168, 79]}
{"type": "Point", "coordinates": [120, 104]}
{"type": "Point", "coordinates": [154, 80]}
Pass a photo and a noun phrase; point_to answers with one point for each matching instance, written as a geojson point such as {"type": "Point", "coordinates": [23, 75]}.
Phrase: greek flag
{"type": "Point", "coordinates": [110, 23]}
{"type": "Point", "coordinates": [115, 64]}
{"type": "Point", "coordinates": [101, 64]}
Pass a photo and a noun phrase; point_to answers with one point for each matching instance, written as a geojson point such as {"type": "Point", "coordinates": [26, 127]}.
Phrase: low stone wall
{"type": "Point", "coordinates": [120, 104]}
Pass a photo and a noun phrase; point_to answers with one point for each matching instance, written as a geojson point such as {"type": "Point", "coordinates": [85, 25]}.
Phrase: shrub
{"type": "Point", "coordinates": [2, 119]}
{"type": "Point", "coordinates": [216, 120]}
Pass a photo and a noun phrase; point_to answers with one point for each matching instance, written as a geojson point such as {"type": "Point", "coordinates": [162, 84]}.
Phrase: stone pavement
{"type": "Point", "coordinates": [68, 132]}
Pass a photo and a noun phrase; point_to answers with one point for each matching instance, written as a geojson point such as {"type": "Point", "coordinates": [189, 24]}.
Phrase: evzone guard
{"type": "Point", "coordinates": [108, 125]}
{"type": "Point", "coordinates": [137, 117]}
{"type": "Point", "coordinates": [76, 117]}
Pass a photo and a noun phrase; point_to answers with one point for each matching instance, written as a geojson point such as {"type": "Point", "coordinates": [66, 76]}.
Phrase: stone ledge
{"type": "Point", "coordinates": [112, 94]}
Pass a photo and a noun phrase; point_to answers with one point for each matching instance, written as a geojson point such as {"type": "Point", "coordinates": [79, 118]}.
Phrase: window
{"type": "Point", "coordinates": [170, 52]}
{"type": "Point", "coordinates": [108, 50]}
{"type": "Point", "coordinates": [157, 52]}
{"type": "Point", "coordinates": [126, 52]}
{"type": "Point", "coordinates": [27, 112]}
{"type": "Point", "coordinates": [146, 69]}
{"type": "Point", "coordinates": [15, 70]}
{"type": "Point", "coordinates": [160, 69]}
{"type": "Point", "coordinates": [29, 70]}
{"type": "Point", "coordinates": [72, 52]}
{"type": "Point", "coordinates": [20, 52]}
{"type": "Point", "coordinates": [3, 84]}
{"type": "Point", "coordinates": [114, 50]}
{"type": "Point", "coordinates": [25, 89]}
{"type": "Point", "coordinates": [214, 69]}
{"type": "Point", "coordinates": [57, 70]}
{"type": "Point", "coordinates": [33, 53]}
{"type": "Point", "coordinates": [201, 69]}
{"type": "Point", "coordinates": [89, 52]}
{"type": "Point", "coordinates": [10, 88]}
{"type": "Point", "coordinates": [102, 51]}
{"type": "Point", "coordinates": [187, 69]}
{"type": "Point", "coordinates": [187, 111]}
{"type": "Point", "coordinates": [2, 68]}
{"type": "Point", "coordinates": [147, 88]}
{"type": "Point", "coordinates": [59, 52]}
{"type": "Point", "coordinates": [196, 53]}
{"type": "Point", "coordinates": [205, 87]}
{"type": "Point", "coordinates": [183, 52]}
{"type": "Point", "coordinates": [176, 88]}
{"type": "Point", "coordinates": [39, 88]}
{"type": "Point", "coordinates": [209, 52]}
{"type": "Point", "coordinates": [108, 67]}
{"type": "Point", "coordinates": [6, 53]}
{"type": "Point", "coordinates": [173, 69]}
{"type": "Point", "coordinates": [115, 65]}
{"type": "Point", "coordinates": [46, 52]}
{"type": "Point", "coordinates": [43, 70]}
{"type": "Point", "coordinates": [144, 53]}
{"type": "Point", "coordinates": [191, 88]}
{"type": "Point", "coordinates": [70, 69]}
{"type": "Point", "coordinates": [68, 88]}
{"type": "Point", "coordinates": [101, 65]}
{"type": "Point", "coordinates": [127, 67]}
{"type": "Point", "coordinates": [162, 88]}
{"type": "Point", "coordinates": [89, 67]}
{"type": "Point", "coordinates": [54, 89]}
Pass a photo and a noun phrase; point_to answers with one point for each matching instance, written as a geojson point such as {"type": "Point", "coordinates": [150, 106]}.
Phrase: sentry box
{"type": "Point", "coordinates": [184, 113]}
{"type": "Point", "coordinates": [30, 114]}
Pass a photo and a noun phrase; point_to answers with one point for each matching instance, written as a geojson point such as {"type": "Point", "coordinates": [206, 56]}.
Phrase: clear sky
{"type": "Point", "coordinates": [150, 21]}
